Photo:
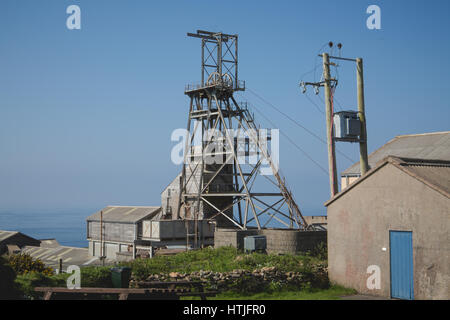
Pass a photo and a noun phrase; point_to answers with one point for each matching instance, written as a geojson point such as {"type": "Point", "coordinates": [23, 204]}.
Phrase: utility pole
{"type": "Point", "coordinates": [331, 139]}
{"type": "Point", "coordinates": [363, 158]}
{"type": "Point", "coordinates": [329, 118]}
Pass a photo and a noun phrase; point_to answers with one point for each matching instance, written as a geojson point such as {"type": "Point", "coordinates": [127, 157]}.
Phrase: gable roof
{"type": "Point", "coordinates": [431, 146]}
{"type": "Point", "coordinates": [17, 236]}
{"type": "Point", "coordinates": [434, 173]}
{"type": "Point", "coordinates": [6, 234]}
{"type": "Point", "coordinates": [125, 214]}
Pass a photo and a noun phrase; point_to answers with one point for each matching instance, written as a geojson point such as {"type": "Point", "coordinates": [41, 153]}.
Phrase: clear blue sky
{"type": "Point", "coordinates": [86, 115]}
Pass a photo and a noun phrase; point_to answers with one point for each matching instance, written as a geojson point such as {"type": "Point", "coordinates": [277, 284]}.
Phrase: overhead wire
{"type": "Point", "coordinates": [297, 123]}
{"type": "Point", "coordinates": [290, 140]}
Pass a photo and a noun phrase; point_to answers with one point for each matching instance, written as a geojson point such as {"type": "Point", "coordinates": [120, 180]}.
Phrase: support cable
{"type": "Point", "coordinates": [291, 141]}
{"type": "Point", "coordinates": [297, 123]}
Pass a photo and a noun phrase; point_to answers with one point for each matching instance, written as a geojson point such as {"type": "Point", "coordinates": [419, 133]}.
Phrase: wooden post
{"type": "Point", "coordinates": [329, 118]}
{"type": "Point", "coordinates": [101, 233]}
{"type": "Point", "coordinates": [363, 158]}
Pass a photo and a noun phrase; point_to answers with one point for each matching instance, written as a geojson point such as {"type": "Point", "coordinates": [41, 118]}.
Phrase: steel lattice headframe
{"type": "Point", "coordinates": [225, 131]}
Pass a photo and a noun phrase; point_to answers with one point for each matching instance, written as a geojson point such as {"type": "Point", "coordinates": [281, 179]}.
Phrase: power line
{"type": "Point", "coordinates": [313, 103]}
{"type": "Point", "coordinates": [290, 140]}
{"type": "Point", "coordinates": [297, 123]}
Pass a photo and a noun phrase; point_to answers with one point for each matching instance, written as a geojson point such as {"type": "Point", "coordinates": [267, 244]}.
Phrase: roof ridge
{"type": "Point", "coordinates": [113, 206]}
{"type": "Point", "coordinates": [419, 161]}
{"type": "Point", "coordinates": [400, 164]}
{"type": "Point", "coordinates": [421, 134]}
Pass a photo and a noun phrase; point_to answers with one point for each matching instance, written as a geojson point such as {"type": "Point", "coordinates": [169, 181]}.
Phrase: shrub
{"type": "Point", "coordinates": [24, 263]}
{"type": "Point", "coordinates": [320, 251]}
{"type": "Point", "coordinates": [8, 289]}
{"type": "Point", "coordinates": [28, 281]}
{"type": "Point", "coordinates": [99, 277]}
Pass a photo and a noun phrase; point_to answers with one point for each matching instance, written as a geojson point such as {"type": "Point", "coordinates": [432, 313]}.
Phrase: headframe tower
{"type": "Point", "coordinates": [217, 181]}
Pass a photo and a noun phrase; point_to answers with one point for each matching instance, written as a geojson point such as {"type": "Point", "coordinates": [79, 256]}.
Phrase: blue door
{"type": "Point", "coordinates": [401, 250]}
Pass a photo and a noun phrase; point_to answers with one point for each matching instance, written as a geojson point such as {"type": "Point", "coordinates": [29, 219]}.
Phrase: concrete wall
{"type": "Point", "coordinates": [160, 230]}
{"type": "Point", "coordinates": [231, 237]}
{"type": "Point", "coordinates": [358, 230]}
{"type": "Point", "coordinates": [347, 180]}
{"type": "Point", "coordinates": [109, 249]}
{"type": "Point", "coordinates": [315, 219]}
{"type": "Point", "coordinates": [279, 241]}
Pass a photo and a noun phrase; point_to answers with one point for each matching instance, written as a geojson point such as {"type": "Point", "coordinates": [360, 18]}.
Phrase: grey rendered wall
{"type": "Point", "coordinates": [358, 230]}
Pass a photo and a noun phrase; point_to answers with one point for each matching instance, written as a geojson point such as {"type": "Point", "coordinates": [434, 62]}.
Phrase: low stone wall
{"type": "Point", "coordinates": [279, 241]}
{"type": "Point", "coordinates": [249, 281]}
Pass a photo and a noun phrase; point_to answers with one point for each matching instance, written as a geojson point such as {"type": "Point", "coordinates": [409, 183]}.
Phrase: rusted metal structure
{"type": "Point", "coordinates": [224, 130]}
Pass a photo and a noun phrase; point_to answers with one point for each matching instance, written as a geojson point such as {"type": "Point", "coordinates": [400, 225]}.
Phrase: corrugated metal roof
{"type": "Point", "coordinates": [432, 146]}
{"type": "Point", "coordinates": [6, 234]}
{"type": "Point", "coordinates": [125, 214]}
{"type": "Point", "coordinates": [434, 173]}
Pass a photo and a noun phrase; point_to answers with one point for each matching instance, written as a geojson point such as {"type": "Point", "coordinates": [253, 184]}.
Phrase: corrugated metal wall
{"type": "Point", "coordinates": [112, 231]}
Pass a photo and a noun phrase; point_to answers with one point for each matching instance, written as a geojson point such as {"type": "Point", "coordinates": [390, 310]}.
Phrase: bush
{"type": "Point", "coordinates": [90, 277]}
{"type": "Point", "coordinates": [28, 281]}
{"type": "Point", "coordinates": [24, 263]}
{"type": "Point", "coordinates": [320, 251]}
{"type": "Point", "coordinates": [8, 288]}
{"type": "Point", "coordinates": [99, 277]}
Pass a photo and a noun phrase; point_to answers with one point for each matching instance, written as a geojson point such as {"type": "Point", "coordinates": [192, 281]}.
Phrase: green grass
{"type": "Point", "coordinates": [224, 259]}
{"type": "Point", "coordinates": [333, 293]}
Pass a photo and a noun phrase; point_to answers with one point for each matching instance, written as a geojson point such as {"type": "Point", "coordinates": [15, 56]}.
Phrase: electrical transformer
{"type": "Point", "coordinates": [347, 126]}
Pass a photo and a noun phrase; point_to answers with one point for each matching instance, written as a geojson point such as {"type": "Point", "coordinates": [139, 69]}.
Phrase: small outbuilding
{"type": "Point", "coordinates": [15, 239]}
{"type": "Point", "coordinates": [118, 229]}
{"type": "Point", "coordinates": [388, 231]}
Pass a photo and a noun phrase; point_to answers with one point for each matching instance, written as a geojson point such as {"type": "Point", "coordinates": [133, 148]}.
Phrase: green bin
{"type": "Point", "coordinates": [120, 277]}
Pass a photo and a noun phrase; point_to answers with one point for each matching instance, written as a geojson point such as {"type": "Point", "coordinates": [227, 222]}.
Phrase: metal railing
{"type": "Point", "coordinates": [235, 86]}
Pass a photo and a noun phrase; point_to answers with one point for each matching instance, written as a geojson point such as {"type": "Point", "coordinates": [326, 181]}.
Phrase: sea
{"type": "Point", "coordinates": [69, 229]}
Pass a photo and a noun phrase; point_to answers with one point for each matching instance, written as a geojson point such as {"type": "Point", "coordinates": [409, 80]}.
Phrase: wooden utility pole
{"type": "Point", "coordinates": [102, 256]}
{"type": "Point", "coordinates": [329, 119]}
{"type": "Point", "coordinates": [326, 83]}
{"type": "Point", "coordinates": [363, 158]}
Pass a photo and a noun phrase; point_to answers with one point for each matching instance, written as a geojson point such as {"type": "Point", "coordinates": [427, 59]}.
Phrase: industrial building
{"type": "Point", "coordinates": [388, 231]}
{"type": "Point", "coordinates": [123, 232]}
{"type": "Point", "coordinates": [118, 229]}
{"type": "Point", "coordinates": [432, 146]}
{"type": "Point", "coordinates": [10, 241]}
{"type": "Point", "coordinates": [219, 186]}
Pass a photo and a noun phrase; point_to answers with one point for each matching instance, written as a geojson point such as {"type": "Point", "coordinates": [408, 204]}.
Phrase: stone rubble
{"type": "Point", "coordinates": [258, 278]}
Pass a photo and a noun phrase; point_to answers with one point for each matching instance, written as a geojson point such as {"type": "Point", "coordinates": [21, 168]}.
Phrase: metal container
{"type": "Point", "coordinates": [120, 277]}
{"type": "Point", "coordinates": [255, 243]}
{"type": "Point", "coordinates": [347, 126]}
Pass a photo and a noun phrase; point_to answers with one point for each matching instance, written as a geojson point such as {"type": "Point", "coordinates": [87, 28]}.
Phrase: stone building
{"type": "Point", "coordinates": [388, 231]}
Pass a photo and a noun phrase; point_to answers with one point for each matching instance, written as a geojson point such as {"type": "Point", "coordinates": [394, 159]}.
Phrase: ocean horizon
{"type": "Point", "coordinates": [69, 229]}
